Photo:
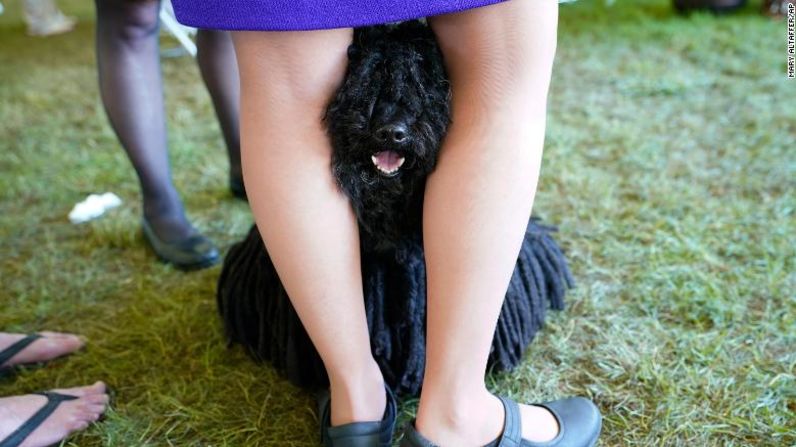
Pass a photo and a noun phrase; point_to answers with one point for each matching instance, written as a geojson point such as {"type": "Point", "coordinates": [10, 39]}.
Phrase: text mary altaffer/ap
{"type": "Point", "coordinates": [791, 40]}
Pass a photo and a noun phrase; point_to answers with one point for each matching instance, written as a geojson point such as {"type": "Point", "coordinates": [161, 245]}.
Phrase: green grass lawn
{"type": "Point", "coordinates": [669, 168]}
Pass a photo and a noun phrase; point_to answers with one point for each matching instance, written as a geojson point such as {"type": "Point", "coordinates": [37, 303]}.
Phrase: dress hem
{"type": "Point", "coordinates": [259, 15]}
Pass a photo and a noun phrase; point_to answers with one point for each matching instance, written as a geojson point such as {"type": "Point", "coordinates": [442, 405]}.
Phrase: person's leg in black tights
{"type": "Point", "coordinates": [131, 87]}
{"type": "Point", "coordinates": [219, 68]}
{"type": "Point", "coordinates": [130, 83]}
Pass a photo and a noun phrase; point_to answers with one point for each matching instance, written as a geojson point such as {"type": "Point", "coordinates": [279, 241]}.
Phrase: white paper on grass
{"type": "Point", "coordinates": [94, 206]}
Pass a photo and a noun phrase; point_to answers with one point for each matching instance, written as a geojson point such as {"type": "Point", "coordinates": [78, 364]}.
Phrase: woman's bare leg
{"type": "Point", "coordinates": [500, 60]}
{"type": "Point", "coordinates": [306, 222]}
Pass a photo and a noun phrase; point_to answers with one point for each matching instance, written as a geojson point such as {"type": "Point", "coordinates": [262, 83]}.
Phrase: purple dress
{"type": "Point", "coordinates": [300, 15]}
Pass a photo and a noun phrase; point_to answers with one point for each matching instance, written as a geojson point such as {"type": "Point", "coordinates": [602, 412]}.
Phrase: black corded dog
{"type": "Point", "coordinates": [386, 124]}
{"type": "Point", "coordinates": [716, 6]}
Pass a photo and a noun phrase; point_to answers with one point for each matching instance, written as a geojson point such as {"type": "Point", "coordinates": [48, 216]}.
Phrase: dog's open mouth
{"type": "Point", "coordinates": [388, 162]}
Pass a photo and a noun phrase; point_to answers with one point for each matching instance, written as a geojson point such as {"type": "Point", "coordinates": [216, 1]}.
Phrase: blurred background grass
{"type": "Point", "coordinates": [669, 168]}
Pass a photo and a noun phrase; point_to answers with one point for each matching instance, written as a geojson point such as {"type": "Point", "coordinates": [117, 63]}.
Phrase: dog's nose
{"type": "Point", "coordinates": [392, 133]}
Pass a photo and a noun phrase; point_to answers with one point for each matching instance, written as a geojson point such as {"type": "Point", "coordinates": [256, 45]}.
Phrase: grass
{"type": "Point", "coordinates": [669, 168]}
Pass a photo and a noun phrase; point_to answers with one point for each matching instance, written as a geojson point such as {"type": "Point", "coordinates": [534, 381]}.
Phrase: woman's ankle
{"type": "Point", "coordinates": [161, 201]}
{"type": "Point", "coordinates": [460, 417]}
{"type": "Point", "coordinates": [358, 395]}
{"type": "Point", "coordinates": [476, 417]}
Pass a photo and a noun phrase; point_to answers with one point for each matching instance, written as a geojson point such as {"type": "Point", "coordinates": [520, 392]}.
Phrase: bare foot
{"type": "Point", "coordinates": [50, 346]}
{"type": "Point", "coordinates": [69, 417]}
{"type": "Point", "coordinates": [479, 421]}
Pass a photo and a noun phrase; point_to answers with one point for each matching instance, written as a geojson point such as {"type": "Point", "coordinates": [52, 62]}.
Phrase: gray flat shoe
{"type": "Point", "coordinates": [579, 423]}
{"type": "Point", "coordinates": [192, 253]}
{"type": "Point", "coordinates": [358, 434]}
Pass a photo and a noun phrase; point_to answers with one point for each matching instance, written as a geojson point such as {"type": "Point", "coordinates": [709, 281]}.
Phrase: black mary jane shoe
{"type": "Point", "coordinates": [54, 400]}
{"type": "Point", "coordinates": [358, 434]}
{"type": "Point", "coordinates": [192, 253]}
{"type": "Point", "coordinates": [579, 423]}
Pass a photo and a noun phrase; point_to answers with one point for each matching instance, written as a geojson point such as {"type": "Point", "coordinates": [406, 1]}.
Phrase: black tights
{"type": "Point", "coordinates": [128, 59]}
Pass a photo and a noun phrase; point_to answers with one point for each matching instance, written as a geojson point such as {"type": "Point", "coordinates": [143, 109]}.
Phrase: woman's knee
{"type": "Point", "coordinates": [297, 67]}
{"type": "Point", "coordinates": [501, 48]}
{"type": "Point", "coordinates": [130, 19]}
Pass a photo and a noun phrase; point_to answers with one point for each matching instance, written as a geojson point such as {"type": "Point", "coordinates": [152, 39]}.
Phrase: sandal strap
{"type": "Point", "coordinates": [16, 438]}
{"type": "Point", "coordinates": [8, 353]}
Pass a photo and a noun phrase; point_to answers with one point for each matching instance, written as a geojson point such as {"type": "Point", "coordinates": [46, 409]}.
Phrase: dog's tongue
{"type": "Point", "coordinates": [387, 160]}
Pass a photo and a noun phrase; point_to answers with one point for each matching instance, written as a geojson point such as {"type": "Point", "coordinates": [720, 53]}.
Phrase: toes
{"type": "Point", "coordinates": [98, 399]}
{"type": "Point", "coordinates": [82, 417]}
{"type": "Point", "coordinates": [98, 387]}
{"type": "Point", "coordinates": [65, 342]}
{"type": "Point", "coordinates": [51, 334]}
{"type": "Point", "coordinates": [83, 405]}
{"type": "Point", "coordinates": [93, 407]}
{"type": "Point", "coordinates": [51, 346]}
{"type": "Point", "coordinates": [80, 424]}
{"type": "Point", "coordinates": [96, 410]}
{"type": "Point", "coordinates": [91, 416]}
{"type": "Point", "coordinates": [77, 392]}
{"type": "Point", "coordinates": [95, 389]}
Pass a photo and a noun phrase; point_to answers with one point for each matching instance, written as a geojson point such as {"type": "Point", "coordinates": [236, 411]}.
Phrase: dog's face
{"type": "Point", "coordinates": [388, 119]}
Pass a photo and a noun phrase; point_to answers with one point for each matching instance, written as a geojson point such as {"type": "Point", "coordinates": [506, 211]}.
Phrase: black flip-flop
{"type": "Point", "coordinates": [54, 400]}
{"type": "Point", "coordinates": [9, 353]}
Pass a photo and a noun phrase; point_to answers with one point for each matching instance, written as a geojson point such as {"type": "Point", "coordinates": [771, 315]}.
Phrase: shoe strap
{"type": "Point", "coordinates": [16, 438]}
{"type": "Point", "coordinates": [512, 425]}
{"type": "Point", "coordinates": [511, 436]}
{"type": "Point", "coordinates": [8, 353]}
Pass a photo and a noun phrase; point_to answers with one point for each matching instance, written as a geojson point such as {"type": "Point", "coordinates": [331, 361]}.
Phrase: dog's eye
{"type": "Point", "coordinates": [371, 107]}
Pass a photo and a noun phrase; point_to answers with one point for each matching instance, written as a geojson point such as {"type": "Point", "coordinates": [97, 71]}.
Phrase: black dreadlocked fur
{"type": "Point", "coordinates": [716, 6]}
{"type": "Point", "coordinates": [395, 81]}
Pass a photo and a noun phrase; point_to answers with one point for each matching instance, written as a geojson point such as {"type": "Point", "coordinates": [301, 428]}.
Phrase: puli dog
{"type": "Point", "coordinates": [386, 125]}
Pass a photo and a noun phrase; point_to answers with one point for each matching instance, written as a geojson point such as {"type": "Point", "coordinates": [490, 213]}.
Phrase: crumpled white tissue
{"type": "Point", "coordinates": [94, 206]}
